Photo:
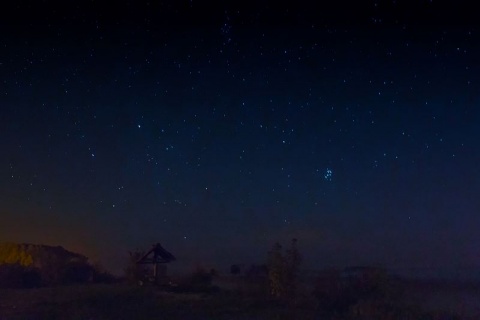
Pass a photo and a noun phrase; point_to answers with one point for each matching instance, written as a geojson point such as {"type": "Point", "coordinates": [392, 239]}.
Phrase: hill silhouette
{"type": "Point", "coordinates": [28, 265]}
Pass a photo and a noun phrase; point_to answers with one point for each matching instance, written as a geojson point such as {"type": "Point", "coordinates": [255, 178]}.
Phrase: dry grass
{"type": "Point", "coordinates": [118, 301]}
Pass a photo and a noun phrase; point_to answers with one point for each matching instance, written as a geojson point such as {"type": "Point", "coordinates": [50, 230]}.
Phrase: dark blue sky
{"type": "Point", "coordinates": [217, 130]}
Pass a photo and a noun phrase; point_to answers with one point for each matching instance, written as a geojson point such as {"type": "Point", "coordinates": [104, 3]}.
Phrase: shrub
{"type": "Point", "coordinates": [329, 293]}
{"type": "Point", "coordinates": [100, 275]}
{"type": "Point", "coordinates": [11, 276]}
{"type": "Point", "coordinates": [356, 291]}
{"type": "Point", "coordinates": [18, 276]}
{"type": "Point", "coordinates": [200, 277]}
{"type": "Point", "coordinates": [31, 278]}
{"type": "Point", "coordinates": [103, 277]}
{"type": "Point", "coordinates": [76, 272]}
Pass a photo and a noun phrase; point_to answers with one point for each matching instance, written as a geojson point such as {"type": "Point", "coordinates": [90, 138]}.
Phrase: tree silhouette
{"type": "Point", "coordinates": [283, 270]}
{"type": "Point", "coordinates": [133, 271]}
{"type": "Point", "coordinates": [276, 271]}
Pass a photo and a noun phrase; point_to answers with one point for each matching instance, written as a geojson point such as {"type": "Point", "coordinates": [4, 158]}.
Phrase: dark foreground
{"type": "Point", "coordinates": [129, 302]}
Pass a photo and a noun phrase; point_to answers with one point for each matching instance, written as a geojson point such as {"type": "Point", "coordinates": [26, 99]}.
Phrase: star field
{"type": "Point", "coordinates": [219, 131]}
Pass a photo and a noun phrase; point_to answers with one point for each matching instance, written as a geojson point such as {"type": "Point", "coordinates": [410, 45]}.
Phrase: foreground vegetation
{"type": "Point", "coordinates": [244, 301]}
{"type": "Point", "coordinates": [41, 282]}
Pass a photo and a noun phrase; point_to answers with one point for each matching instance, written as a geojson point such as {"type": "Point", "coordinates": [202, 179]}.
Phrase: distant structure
{"type": "Point", "coordinates": [156, 256]}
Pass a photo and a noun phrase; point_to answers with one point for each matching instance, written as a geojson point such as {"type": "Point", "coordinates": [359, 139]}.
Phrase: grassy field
{"type": "Point", "coordinates": [127, 302]}
{"type": "Point", "coordinates": [120, 301]}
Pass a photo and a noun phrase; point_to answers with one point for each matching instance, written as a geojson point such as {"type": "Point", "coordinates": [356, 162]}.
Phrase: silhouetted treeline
{"type": "Point", "coordinates": [28, 265]}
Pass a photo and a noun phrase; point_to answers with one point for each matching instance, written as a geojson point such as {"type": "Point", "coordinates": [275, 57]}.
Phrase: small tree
{"type": "Point", "coordinates": [276, 271]}
{"type": "Point", "coordinates": [283, 270]}
{"type": "Point", "coordinates": [133, 271]}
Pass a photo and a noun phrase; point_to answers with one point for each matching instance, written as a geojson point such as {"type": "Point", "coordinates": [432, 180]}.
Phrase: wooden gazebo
{"type": "Point", "coordinates": [155, 256]}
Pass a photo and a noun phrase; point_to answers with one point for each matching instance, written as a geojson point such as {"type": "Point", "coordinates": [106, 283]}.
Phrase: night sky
{"type": "Point", "coordinates": [218, 128]}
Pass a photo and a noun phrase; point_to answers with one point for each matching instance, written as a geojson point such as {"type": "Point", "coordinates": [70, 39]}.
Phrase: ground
{"type": "Point", "coordinates": [121, 301]}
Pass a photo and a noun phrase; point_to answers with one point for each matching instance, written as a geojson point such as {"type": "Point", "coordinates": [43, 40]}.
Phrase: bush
{"type": "Point", "coordinates": [100, 275]}
{"type": "Point", "coordinates": [201, 278]}
{"type": "Point", "coordinates": [15, 276]}
{"type": "Point", "coordinates": [31, 278]}
{"type": "Point", "coordinates": [76, 273]}
{"type": "Point", "coordinates": [356, 291]}
{"type": "Point", "coordinates": [329, 293]}
{"type": "Point", "coordinates": [11, 276]}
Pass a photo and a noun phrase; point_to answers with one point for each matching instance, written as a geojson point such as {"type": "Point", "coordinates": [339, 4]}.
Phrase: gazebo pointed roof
{"type": "Point", "coordinates": [156, 255]}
